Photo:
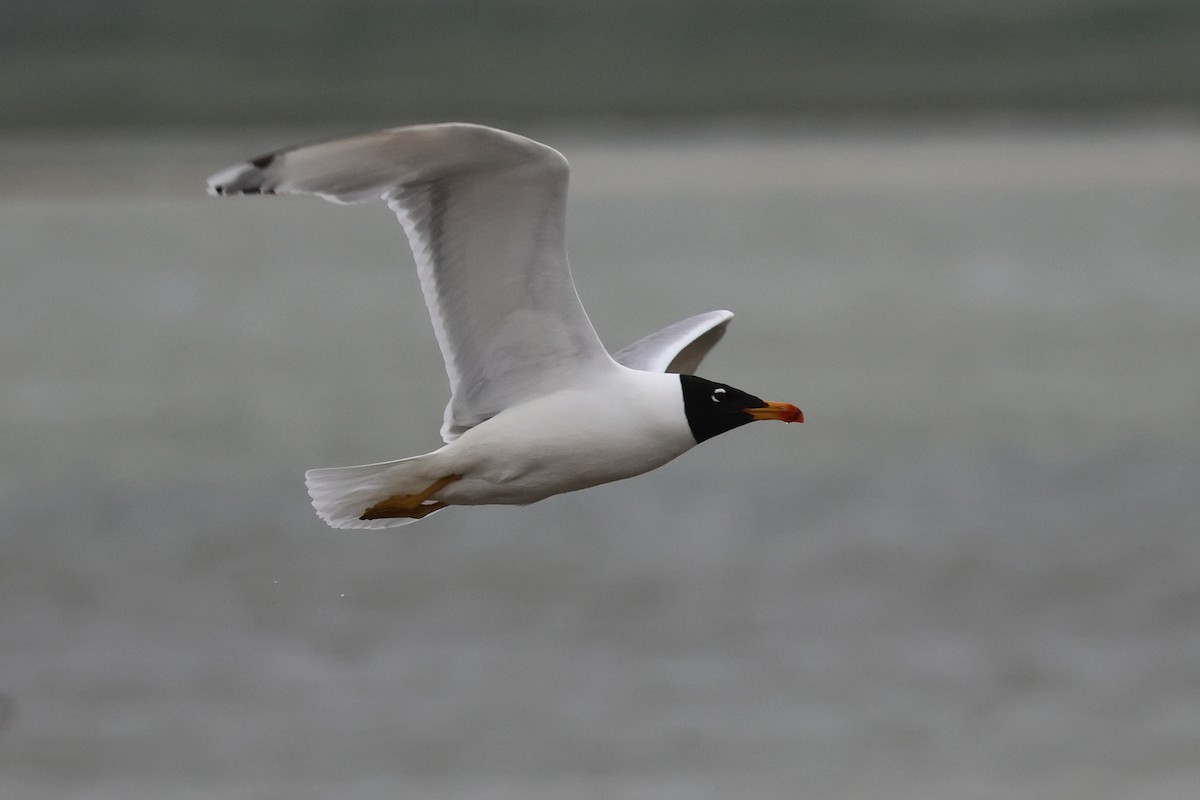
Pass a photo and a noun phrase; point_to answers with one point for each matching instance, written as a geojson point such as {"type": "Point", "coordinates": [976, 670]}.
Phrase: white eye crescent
{"type": "Point", "coordinates": [715, 394]}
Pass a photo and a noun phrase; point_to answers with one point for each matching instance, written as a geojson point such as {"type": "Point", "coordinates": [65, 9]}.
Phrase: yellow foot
{"type": "Point", "coordinates": [411, 505]}
{"type": "Point", "coordinates": [386, 510]}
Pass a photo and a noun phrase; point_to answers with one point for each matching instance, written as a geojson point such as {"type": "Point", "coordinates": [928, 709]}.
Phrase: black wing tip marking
{"type": "Point", "coordinates": [245, 178]}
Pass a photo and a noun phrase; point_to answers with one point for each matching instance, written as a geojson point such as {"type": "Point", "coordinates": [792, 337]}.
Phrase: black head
{"type": "Point", "coordinates": [713, 408]}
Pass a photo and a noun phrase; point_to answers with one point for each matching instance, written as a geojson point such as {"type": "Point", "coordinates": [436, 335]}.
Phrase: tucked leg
{"type": "Point", "coordinates": [411, 505]}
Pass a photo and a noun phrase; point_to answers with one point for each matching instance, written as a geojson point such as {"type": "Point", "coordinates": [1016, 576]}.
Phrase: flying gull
{"type": "Point", "coordinates": [537, 405]}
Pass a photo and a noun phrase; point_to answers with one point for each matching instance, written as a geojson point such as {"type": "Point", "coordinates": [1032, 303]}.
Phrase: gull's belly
{"type": "Point", "coordinates": [528, 454]}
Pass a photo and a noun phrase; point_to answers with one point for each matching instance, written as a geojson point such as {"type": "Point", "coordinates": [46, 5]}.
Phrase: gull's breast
{"type": "Point", "coordinates": [570, 440]}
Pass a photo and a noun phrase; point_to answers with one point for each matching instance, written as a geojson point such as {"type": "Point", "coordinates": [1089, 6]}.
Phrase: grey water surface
{"type": "Point", "coordinates": [973, 573]}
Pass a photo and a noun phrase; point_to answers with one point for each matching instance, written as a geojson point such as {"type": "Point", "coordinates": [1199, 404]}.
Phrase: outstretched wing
{"type": "Point", "coordinates": [484, 211]}
{"type": "Point", "coordinates": [677, 348]}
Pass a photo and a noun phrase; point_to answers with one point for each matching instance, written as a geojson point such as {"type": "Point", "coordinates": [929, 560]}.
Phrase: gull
{"type": "Point", "coordinates": [537, 406]}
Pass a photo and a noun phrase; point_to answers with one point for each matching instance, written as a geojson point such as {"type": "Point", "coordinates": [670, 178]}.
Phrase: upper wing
{"type": "Point", "coordinates": [485, 213]}
{"type": "Point", "coordinates": [677, 348]}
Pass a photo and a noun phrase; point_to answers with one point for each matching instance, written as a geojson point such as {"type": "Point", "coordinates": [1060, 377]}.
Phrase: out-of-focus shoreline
{"type": "Point", "coordinates": [934, 153]}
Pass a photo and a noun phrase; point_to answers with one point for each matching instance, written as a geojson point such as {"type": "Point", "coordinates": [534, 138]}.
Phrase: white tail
{"type": "Point", "coordinates": [341, 494]}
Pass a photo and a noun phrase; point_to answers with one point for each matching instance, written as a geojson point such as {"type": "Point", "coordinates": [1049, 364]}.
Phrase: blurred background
{"type": "Point", "coordinates": [962, 237]}
{"type": "Point", "coordinates": [171, 63]}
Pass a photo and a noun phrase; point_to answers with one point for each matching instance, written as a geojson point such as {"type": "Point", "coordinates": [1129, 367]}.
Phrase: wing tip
{"type": "Point", "coordinates": [247, 177]}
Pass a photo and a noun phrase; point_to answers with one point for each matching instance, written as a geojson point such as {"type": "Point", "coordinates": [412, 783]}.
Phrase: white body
{"type": "Point", "coordinates": [559, 442]}
{"type": "Point", "coordinates": [568, 440]}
